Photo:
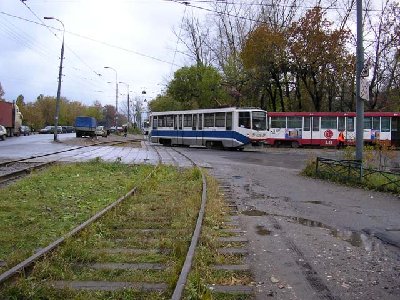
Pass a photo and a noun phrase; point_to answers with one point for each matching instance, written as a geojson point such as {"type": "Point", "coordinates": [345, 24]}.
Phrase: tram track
{"type": "Point", "coordinates": [154, 227]}
{"type": "Point", "coordinates": [14, 169]}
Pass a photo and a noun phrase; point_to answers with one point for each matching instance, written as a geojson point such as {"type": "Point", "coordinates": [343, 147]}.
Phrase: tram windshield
{"type": "Point", "coordinates": [259, 119]}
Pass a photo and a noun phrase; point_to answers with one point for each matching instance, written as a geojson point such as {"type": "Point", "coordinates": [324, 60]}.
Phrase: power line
{"type": "Point", "coordinates": [48, 28]}
{"type": "Point", "coordinates": [188, 3]}
{"type": "Point", "coordinates": [92, 39]}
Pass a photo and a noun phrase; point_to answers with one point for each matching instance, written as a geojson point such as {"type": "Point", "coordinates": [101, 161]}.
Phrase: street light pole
{"type": "Point", "coordinates": [59, 80]}
{"type": "Point", "coordinates": [359, 101]}
{"type": "Point", "coordinates": [116, 95]}
{"type": "Point", "coordinates": [127, 85]}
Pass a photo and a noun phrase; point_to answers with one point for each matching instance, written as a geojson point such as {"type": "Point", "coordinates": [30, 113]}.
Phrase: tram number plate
{"type": "Point", "coordinates": [328, 142]}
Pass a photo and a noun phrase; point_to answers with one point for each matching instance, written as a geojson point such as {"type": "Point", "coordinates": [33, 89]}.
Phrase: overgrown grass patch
{"type": "Point", "coordinates": [170, 194]}
{"type": "Point", "coordinates": [45, 205]}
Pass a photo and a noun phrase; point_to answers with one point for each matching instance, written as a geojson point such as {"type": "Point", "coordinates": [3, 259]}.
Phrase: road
{"type": "Point", "coordinates": [308, 239]}
{"type": "Point", "coordinates": [319, 240]}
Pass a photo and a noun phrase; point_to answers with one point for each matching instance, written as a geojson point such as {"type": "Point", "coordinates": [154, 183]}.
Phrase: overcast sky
{"type": "Point", "coordinates": [140, 31]}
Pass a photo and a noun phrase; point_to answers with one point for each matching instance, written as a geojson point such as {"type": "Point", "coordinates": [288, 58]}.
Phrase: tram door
{"type": "Point", "coordinates": [198, 129]}
{"type": "Point", "coordinates": [178, 129]}
{"type": "Point", "coordinates": [315, 133]}
{"type": "Point", "coordinates": [395, 134]}
{"type": "Point", "coordinates": [307, 133]}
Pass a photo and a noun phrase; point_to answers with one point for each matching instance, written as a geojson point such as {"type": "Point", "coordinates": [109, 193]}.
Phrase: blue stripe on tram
{"type": "Point", "coordinates": [201, 134]}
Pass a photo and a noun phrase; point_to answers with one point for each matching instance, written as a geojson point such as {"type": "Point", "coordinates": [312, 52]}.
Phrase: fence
{"type": "Point", "coordinates": [354, 171]}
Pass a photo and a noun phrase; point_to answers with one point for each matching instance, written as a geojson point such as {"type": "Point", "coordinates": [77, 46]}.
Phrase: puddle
{"type": "Point", "coordinates": [261, 230]}
{"type": "Point", "coordinates": [313, 202]}
{"type": "Point", "coordinates": [237, 177]}
{"type": "Point", "coordinates": [354, 238]}
{"type": "Point", "coordinates": [254, 213]}
{"type": "Point", "coordinates": [309, 223]}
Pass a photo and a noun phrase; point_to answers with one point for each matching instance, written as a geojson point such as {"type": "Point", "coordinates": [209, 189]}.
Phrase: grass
{"type": "Point", "coordinates": [166, 207]}
{"type": "Point", "coordinates": [45, 205]}
{"type": "Point", "coordinates": [169, 201]}
{"type": "Point", "coordinates": [373, 181]}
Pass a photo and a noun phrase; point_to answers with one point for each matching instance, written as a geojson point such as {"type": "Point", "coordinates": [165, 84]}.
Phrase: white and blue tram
{"type": "Point", "coordinates": [213, 128]}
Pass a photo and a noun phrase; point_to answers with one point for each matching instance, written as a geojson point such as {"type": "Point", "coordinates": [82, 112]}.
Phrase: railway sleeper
{"type": "Point", "coordinates": [108, 285]}
{"type": "Point", "coordinates": [123, 266]}
{"type": "Point", "coordinates": [231, 289]}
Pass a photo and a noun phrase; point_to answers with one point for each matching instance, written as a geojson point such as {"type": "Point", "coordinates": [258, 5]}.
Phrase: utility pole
{"type": "Point", "coordinates": [59, 80]}
{"type": "Point", "coordinates": [360, 102]}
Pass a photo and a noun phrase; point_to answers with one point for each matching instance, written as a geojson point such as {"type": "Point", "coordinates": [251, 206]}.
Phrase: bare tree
{"type": "Point", "coordinates": [383, 51]}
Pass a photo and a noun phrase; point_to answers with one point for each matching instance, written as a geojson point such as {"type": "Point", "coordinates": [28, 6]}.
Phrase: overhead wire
{"type": "Point", "coordinates": [92, 39]}
{"type": "Point", "coordinates": [66, 45]}
{"type": "Point", "coordinates": [178, 37]}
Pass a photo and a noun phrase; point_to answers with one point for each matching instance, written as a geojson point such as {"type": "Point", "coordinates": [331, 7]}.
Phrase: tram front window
{"type": "Point", "coordinates": [244, 119]}
{"type": "Point", "coordinates": [259, 119]}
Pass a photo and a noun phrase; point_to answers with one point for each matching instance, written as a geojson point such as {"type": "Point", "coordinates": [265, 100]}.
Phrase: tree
{"type": "Point", "coordinates": [383, 54]}
{"type": "Point", "coordinates": [319, 56]}
{"type": "Point", "coordinates": [197, 87]}
{"type": "Point", "coordinates": [164, 103]}
{"type": "Point", "coordinates": [264, 57]}
{"type": "Point", "coordinates": [20, 101]}
{"type": "Point", "coordinates": [108, 116]}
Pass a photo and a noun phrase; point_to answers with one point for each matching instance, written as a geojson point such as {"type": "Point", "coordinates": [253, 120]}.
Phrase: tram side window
{"type": "Point", "coordinates": [229, 121]}
{"type": "Point", "coordinates": [200, 121]}
{"type": "Point", "coordinates": [328, 122]}
{"type": "Point", "coordinates": [244, 119]}
{"type": "Point", "coordinates": [315, 124]}
{"type": "Point", "coordinates": [367, 122]}
{"type": "Point", "coordinates": [385, 124]}
{"type": "Point", "coordinates": [178, 122]}
{"type": "Point", "coordinates": [208, 120]}
{"type": "Point", "coordinates": [278, 122]}
{"type": "Point", "coordinates": [194, 122]}
{"type": "Point", "coordinates": [294, 122]}
{"type": "Point", "coordinates": [169, 121]}
{"type": "Point", "coordinates": [376, 123]}
{"type": "Point", "coordinates": [155, 122]}
{"type": "Point", "coordinates": [161, 121]}
{"type": "Point", "coordinates": [307, 121]}
{"type": "Point", "coordinates": [187, 121]}
{"type": "Point", "coordinates": [341, 124]}
{"type": "Point", "coordinates": [350, 124]}
{"type": "Point", "coordinates": [220, 119]}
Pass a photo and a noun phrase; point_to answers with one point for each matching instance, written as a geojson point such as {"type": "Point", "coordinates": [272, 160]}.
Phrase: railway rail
{"type": "Point", "coordinates": [43, 254]}
{"type": "Point", "coordinates": [13, 169]}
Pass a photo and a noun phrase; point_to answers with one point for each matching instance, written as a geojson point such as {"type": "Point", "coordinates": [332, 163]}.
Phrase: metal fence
{"type": "Point", "coordinates": [354, 171]}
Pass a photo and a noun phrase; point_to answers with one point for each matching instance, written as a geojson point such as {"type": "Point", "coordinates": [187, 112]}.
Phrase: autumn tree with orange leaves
{"type": "Point", "coordinates": [319, 57]}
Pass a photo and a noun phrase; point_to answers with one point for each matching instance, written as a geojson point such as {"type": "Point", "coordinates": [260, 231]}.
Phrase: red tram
{"type": "Point", "coordinates": [322, 128]}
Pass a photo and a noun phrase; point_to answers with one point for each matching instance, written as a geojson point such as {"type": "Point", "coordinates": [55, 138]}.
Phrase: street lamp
{"type": "Point", "coordinates": [59, 80]}
{"type": "Point", "coordinates": [116, 95]}
{"type": "Point", "coordinates": [127, 85]}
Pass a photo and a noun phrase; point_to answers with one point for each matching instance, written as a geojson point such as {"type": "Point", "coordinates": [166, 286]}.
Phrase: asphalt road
{"type": "Point", "coordinates": [308, 239]}
{"type": "Point", "coordinates": [311, 239]}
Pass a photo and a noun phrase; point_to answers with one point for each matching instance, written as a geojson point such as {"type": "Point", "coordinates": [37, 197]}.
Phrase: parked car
{"type": "Point", "coordinates": [100, 130]}
{"type": "Point", "coordinates": [3, 133]}
{"type": "Point", "coordinates": [25, 130]}
{"type": "Point", "coordinates": [50, 129]}
{"type": "Point", "coordinates": [68, 129]}
{"type": "Point", "coordinates": [47, 129]}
